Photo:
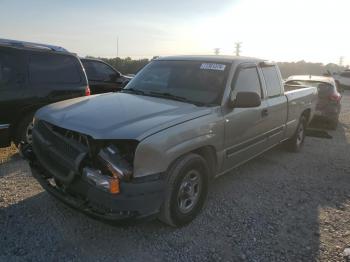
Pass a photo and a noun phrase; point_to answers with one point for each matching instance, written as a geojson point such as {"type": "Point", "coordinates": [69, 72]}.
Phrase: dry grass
{"type": "Point", "coordinates": [7, 152]}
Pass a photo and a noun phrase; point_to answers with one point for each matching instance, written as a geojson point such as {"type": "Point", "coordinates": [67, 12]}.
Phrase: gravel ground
{"type": "Point", "coordinates": [278, 207]}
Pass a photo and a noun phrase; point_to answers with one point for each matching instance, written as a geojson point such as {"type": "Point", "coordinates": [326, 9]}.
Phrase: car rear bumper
{"type": "Point", "coordinates": [137, 200]}
{"type": "Point", "coordinates": [5, 135]}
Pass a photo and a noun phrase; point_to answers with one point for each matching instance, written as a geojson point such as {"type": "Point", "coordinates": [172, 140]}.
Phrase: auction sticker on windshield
{"type": "Point", "coordinates": [211, 66]}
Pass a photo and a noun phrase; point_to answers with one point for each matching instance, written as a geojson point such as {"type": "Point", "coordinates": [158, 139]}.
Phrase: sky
{"type": "Point", "coordinates": [277, 30]}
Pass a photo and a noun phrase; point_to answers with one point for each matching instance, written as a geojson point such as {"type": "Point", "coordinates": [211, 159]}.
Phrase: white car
{"type": "Point", "coordinates": [343, 79]}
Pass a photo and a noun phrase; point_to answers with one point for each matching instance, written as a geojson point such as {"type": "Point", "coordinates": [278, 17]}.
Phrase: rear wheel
{"type": "Point", "coordinates": [186, 190]}
{"type": "Point", "coordinates": [24, 130]}
{"type": "Point", "coordinates": [295, 143]}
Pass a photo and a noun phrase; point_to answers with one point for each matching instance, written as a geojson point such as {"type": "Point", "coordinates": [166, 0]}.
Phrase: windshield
{"type": "Point", "coordinates": [190, 81]}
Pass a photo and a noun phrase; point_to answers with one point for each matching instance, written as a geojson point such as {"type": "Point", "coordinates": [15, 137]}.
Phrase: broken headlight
{"type": "Point", "coordinates": [115, 162]}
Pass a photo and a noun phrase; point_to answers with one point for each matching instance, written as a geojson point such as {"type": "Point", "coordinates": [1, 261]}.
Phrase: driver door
{"type": "Point", "coordinates": [245, 128]}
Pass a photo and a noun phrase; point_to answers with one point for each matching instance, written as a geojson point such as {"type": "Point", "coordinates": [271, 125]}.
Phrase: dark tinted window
{"type": "Point", "coordinates": [247, 81]}
{"type": "Point", "coordinates": [324, 89]}
{"type": "Point", "coordinates": [46, 68]}
{"type": "Point", "coordinates": [9, 72]}
{"type": "Point", "coordinates": [273, 83]}
{"type": "Point", "coordinates": [201, 82]}
{"type": "Point", "coordinates": [99, 71]}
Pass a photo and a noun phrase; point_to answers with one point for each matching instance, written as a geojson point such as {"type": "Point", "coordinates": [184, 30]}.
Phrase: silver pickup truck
{"type": "Point", "coordinates": [153, 149]}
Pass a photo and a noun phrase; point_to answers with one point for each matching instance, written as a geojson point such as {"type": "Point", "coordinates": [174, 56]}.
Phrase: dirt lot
{"type": "Point", "coordinates": [279, 207]}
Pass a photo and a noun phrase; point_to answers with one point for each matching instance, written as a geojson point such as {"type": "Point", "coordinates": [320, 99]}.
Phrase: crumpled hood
{"type": "Point", "coordinates": [119, 115]}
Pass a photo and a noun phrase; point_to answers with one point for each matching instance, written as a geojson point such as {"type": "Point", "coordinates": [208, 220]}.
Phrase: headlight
{"type": "Point", "coordinates": [115, 163]}
{"type": "Point", "coordinates": [106, 183]}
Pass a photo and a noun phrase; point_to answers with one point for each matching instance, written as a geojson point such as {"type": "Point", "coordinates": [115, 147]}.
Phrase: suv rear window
{"type": "Point", "coordinates": [48, 68]}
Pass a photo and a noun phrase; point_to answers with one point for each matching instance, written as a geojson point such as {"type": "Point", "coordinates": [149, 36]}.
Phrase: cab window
{"type": "Point", "coordinates": [247, 81]}
{"type": "Point", "coordinates": [272, 80]}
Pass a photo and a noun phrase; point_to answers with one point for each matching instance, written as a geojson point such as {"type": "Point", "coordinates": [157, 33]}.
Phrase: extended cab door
{"type": "Point", "coordinates": [245, 128]}
{"type": "Point", "coordinates": [277, 111]}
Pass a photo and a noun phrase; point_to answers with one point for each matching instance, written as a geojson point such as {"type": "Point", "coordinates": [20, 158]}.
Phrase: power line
{"type": "Point", "coordinates": [217, 51]}
{"type": "Point", "coordinates": [238, 48]}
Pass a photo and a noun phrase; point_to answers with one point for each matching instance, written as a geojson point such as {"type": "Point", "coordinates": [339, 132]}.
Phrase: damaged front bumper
{"type": "Point", "coordinates": [137, 200]}
{"type": "Point", "coordinates": [58, 163]}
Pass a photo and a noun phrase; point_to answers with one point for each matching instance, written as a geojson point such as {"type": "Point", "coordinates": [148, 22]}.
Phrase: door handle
{"type": "Point", "coordinates": [264, 112]}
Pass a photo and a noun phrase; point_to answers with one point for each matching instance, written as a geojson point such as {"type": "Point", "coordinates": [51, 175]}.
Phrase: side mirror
{"type": "Point", "coordinates": [245, 100]}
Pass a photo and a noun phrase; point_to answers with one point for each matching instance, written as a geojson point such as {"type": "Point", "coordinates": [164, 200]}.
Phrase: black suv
{"type": "Point", "coordinates": [31, 76]}
{"type": "Point", "coordinates": [102, 77]}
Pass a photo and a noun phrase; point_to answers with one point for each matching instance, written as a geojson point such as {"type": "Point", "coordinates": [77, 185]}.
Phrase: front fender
{"type": "Point", "coordinates": [155, 154]}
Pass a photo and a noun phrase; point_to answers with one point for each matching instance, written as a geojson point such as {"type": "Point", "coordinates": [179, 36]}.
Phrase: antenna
{"type": "Point", "coordinates": [117, 46]}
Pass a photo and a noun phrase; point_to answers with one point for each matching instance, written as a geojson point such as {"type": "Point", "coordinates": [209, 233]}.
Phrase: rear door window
{"type": "Point", "coordinates": [272, 80]}
{"type": "Point", "coordinates": [9, 71]}
{"type": "Point", "coordinates": [48, 68]}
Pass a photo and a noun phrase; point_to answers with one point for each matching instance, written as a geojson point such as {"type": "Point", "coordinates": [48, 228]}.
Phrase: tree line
{"type": "Point", "coordinates": [132, 66]}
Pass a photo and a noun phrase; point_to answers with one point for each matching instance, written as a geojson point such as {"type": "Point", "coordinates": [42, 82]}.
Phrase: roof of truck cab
{"type": "Point", "coordinates": [210, 58]}
{"type": "Point", "coordinates": [324, 79]}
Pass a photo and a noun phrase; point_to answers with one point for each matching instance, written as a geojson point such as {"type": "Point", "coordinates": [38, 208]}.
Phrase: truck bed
{"type": "Point", "coordinates": [299, 100]}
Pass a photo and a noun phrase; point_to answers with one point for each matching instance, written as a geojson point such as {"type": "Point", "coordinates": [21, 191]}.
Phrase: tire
{"type": "Point", "coordinates": [296, 143]}
{"type": "Point", "coordinates": [23, 130]}
{"type": "Point", "coordinates": [186, 190]}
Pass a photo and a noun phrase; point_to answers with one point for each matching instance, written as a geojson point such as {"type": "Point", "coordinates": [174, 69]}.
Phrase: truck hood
{"type": "Point", "coordinates": [119, 115]}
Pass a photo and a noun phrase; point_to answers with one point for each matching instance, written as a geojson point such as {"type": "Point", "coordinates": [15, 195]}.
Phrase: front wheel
{"type": "Point", "coordinates": [186, 190]}
{"type": "Point", "coordinates": [295, 143]}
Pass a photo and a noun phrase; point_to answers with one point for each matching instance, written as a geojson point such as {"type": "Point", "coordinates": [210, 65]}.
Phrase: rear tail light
{"type": "Point", "coordinates": [87, 91]}
{"type": "Point", "coordinates": [335, 97]}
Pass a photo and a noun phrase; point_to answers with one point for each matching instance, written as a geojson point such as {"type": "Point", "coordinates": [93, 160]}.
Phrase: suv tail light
{"type": "Point", "coordinates": [335, 97]}
{"type": "Point", "coordinates": [87, 91]}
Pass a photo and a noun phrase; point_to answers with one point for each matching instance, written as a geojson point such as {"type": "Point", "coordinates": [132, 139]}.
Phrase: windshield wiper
{"type": "Point", "coordinates": [175, 97]}
{"type": "Point", "coordinates": [133, 90]}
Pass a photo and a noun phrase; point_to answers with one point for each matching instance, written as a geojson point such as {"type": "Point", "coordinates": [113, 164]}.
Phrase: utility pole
{"type": "Point", "coordinates": [238, 48]}
{"type": "Point", "coordinates": [217, 51]}
{"type": "Point", "coordinates": [117, 46]}
{"type": "Point", "coordinates": [341, 61]}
